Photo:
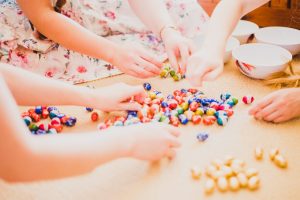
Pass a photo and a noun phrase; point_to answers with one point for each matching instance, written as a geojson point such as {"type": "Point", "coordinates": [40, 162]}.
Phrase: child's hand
{"type": "Point", "coordinates": [116, 97]}
{"type": "Point", "coordinates": [204, 65]}
{"type": "Point", "coordinates": [136, 61]}
{"type": "Point", "coordinates": [178, 49]}
{"type": "Point", "coordinates": [151, 141]}
{"type": "Point", "coordinates": [278, 106]}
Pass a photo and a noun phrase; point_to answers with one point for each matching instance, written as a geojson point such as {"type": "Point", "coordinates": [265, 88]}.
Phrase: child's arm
{"type": "Point", "coordinates": [71, 35]}
{"type": "Point", "coordinates": [31, 89]}
{"type": "Point", "coordinates": [155, 15]}
{"type": "Point", "coordinates": [26, 157]}
{"type": "Point", "coordinates": [207, 64]}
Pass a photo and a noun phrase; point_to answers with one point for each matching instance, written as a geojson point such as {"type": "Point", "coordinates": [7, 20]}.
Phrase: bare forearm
{"type": "Point", "coordinates": [222, 23]}
{"type": "Point", "coordinates": [67, 32]}
{"type": "Point", "coordinates": [59, 156]}
{"type": "Point", "coordinates": [31, 89]}
{"type": "Point", "coordinates": [224, 19]}
{"type": "Point", "coordinates": [152, 13]}
{"type": "Point", "coordinates": [33, 157]}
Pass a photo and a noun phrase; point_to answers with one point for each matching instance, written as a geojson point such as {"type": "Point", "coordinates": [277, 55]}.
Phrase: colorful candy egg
{"type": "Point", "coordinates": [55, 121]}
{"type": "Point", "coordinates": [44, 127]}
{"type": "Point", "coordinates": [94, 116]}
{"type": "Point", "coordinates": [210, 112]}
{"type": "Point", "coordinates": [33, 127]}
{"type": "Point", "coordinates": [35, 117]}
{"type": "Point", "coordinates": [222, 120]}
{"type": "Point", "coordinates": [196, 119]}
{"type": "Point", "coordinates": [184, 106]}
{"type": "Point", "coordinates": [164, 73]}
{"type": "Point", "coordinates": [27, 120]}
{"type": "Point", "coordinates": [172, 104]}
{"type": "Point", "coordinates": [45, 114]}
{"type": "Point", "coordinates": [183, 119]}
{"type": "Point", "coordinates": [225, 96]}
{"type": "Point", "coordinates": [89, 109]}
{"type": "Point", "coordinates": [209, 120]}
{"type": "Point", "coordinates": [193, 106]}
{"type": "Point", "coordinates": [52, 131]}
{"type": "Point", "coordinates": [38, 110]}
{"type": "Point", "coordinates": [53, 114]}
{"type": "Point", "coordinates": [248, 99]}
{"type": "Point", "coordinates": [40, 132]}
{"type": "Point", "coordinates": [202, 136]}
{"type": "Point", "coordinates": [189, 114]}
{"type": "Point", "coordinates": [102, 126]}
{"type": "Point", "coordinates": [147, 86]}
{"type": "Point", "coordinates": [199, 111]}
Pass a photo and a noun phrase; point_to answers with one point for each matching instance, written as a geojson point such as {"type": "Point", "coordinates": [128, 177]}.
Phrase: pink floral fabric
{"type": "Point", "coordinates": [113, 19]}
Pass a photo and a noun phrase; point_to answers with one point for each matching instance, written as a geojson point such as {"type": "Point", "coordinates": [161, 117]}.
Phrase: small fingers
{"type": "Point", "coordinates": [212, 75]}
{"type": "Point", "coordinates": [173, 59]}
{"type": "Point", "coordinates": [171, 153]}
{"type": "Point", "coordinates": [153, 69]}
{"type": "Point", "coordinates": [184, 53]}
{"type": "Point", "coordinates": [129, 106]}
{"type": "Point", "coordinates": [261, 105]}
{"type": "Point", "coordinates": [272, 116]}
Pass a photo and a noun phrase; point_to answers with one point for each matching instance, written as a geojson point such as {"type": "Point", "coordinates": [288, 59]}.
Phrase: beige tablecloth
{"type": "Point", "coordinates": [129, 179]}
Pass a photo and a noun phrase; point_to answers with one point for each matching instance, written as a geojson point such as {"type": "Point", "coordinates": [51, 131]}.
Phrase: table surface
{"type": "Point", "coordinates": [126, 179]}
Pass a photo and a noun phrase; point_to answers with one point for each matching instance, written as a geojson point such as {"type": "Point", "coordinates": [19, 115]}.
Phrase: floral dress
{"type": "Point", "coordinates": [113, 19]}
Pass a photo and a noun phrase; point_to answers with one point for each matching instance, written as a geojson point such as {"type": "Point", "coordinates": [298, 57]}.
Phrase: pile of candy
{"type": "Point", "coordinates": [228, 174]}
{"type": "Point", "coordinates": [275, 156]}
{"type": "Point", "coordinates": [167, 70]}
{"type": "Point", "coordinates": [34, 115]}
{"type": "Point", "coordinates": [181, 107]}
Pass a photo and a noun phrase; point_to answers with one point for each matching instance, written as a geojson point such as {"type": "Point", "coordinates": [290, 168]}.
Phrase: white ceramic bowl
{"type": "Point", "coordinates": [231, 44]}
{"type": "Point", "coordinates": [259, 60]}
{"type": "Point", "coordinates": [287, 38]}
{"type": "Point", "coordinates": [244, 30]}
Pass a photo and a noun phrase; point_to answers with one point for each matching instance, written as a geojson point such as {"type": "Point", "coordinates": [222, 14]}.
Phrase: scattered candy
{"type": "Point", "coordinates": [27, 120]}
{"type": "Point", "coordinates": [196, 172]}
{"type": "Point", "coordinates": [248, 99]}
{"type": "Point", "coordinates": [41, 112]}
{"type": "Point", "coordinates": [253, 183]}
{"type": "Point", "coordinates": [89, 109]}
{"type": "Point", "coordinates": [177, 108]}
{"type": "Point", "coordinates": [222, 184]}
{"type": "Point", "coordinates": [147, 86]}
{"type": "Point", "coordinates": [94, 116]}
{"type": "Point", "coordinates": [209, 186]}
{"type": "Point", "coordinates": [223, 175]}
{"type": "Point", "coordinates": [243, 180]}
{"type": "Point", "coordinates": [234, 184]}
{"type": "Point", "coordinates": [225, 96]}
{"type": "Point", "coordinates": [202, 136]}
{"type": "Point", "coordinates": [168, 70]}
{"type": "Point", "coordinates": [259, 153]}
{"type": "Point", "coordinates": [280, 161]}
{"type": "Point", "coordinates": [273, 153]}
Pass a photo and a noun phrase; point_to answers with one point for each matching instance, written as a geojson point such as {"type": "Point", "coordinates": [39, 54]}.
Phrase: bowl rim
{"type": "Point", "coordinates": [249, 32]}
{"type": "Point", "coordinates": [290, 56]}
{"type": "Point", "coordinates": [236, 42]}
{"type": "Point", "coordinates": [260, 31]}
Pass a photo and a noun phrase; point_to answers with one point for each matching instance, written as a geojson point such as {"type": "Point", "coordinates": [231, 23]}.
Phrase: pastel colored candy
{"type": "Point", "coordinates": [147, 86]}
{"type": "Point", "coordinates": [89, 109]}
{"type": "Point", "coordinates": [94, 116]}
{"type": "Point", "coordinates": [196, 119]}
{"type": "Point", "coordinates": [210, 112]}
{"type": "Point", "coordinates": [202, 136]}
{"type": "Point", "coordinates": [225, 96]}
{"type": "Point", "coordinates": [222, 120]}
{"type": "Point", "coordinates": [248, 99]}
{"type": "Point", "coordinates": [27, 120]}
